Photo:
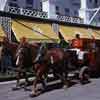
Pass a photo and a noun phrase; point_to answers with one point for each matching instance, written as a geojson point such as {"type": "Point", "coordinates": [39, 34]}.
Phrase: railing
{"type": "Point", "coordinates": [6, 22]}
{"type": "Point", "coordinates": [27, 12]}
{"type": "Point", "coordinates": [70, 19]}
{"type": "Point", "coordinates": [40, 14]}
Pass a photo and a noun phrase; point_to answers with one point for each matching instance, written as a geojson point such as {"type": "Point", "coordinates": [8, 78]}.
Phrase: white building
{"type": "Point", "coordinates": [2, 4]}
{"type": "Point", "coordinates": [26, 4]}
{"type": "Point", "coordinates": [72, 8]}
{"type": "Point", "coordinates": [61, 7]}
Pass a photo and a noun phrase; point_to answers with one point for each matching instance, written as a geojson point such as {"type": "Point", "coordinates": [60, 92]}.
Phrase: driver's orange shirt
{"type": "Point", "coordinates": [77, 43]}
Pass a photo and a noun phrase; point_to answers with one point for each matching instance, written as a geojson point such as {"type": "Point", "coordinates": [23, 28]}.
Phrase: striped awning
{"type": "Point", "coordinates": [34, 31]}
{"type": "Point", "coordinates": [2, 34]}
{"type": "Point", "coordinates": [68, 32]}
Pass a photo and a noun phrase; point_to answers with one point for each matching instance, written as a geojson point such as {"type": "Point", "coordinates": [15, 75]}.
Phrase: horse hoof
{"type": "Point", "coordinates": [27, 89]}
{"type": "Point", "coordinates": [85, 82]}
{"type": "Point", "coordinates": [16, 88]}
{"type": "Point", "coordinates": [35, 94]}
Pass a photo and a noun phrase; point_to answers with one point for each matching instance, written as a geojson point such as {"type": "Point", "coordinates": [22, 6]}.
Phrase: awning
{"type": "Point", "coordinates": [2, 34]}
{"type": "Point", "coordinates": [34, 31]}
{"type": "Point", "coordinates": [68, 32]}
{"type": "Point", "coordinates": [96, 33]}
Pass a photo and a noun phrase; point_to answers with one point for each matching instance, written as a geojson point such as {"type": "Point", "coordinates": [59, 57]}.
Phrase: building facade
{"type": "Point", "coordinates": [87, 11]}
{"type": "Point", "coordinates": [61, 7]}
{"type": "Point", "coordinates": [2, 4]}
{"type": "Point", "coordinates": [30, 8]}
{"type": "Point", "coordinates": [26, 4]}
{"type": "Point", "coordinates": [74, 8]}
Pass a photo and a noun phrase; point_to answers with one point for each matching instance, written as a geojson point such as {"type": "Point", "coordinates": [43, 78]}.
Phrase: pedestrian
{"type": "Point", "coordinates": [0, 55]}
{"type": "Point", "coordinates": [92, 55]}
{"type": "Point", "coordinates": [6, 59]}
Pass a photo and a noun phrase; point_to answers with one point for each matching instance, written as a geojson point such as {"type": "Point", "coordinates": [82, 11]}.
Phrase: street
{"type": "Point", "coordinates": [89, 91]}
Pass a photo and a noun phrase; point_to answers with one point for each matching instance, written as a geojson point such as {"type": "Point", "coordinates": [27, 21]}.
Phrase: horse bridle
{"type": "Point", "coordinates": [18, 55]}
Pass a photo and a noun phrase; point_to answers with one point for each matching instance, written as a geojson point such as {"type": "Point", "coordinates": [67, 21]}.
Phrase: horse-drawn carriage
{"type": "Point", "coordinates": [62, 62]}
{"type": "Point", "coordinates": [78, 65]}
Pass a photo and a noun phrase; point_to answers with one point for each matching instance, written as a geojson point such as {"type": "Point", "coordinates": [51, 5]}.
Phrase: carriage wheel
{"type": "Point", "coordinates": [84, 75]}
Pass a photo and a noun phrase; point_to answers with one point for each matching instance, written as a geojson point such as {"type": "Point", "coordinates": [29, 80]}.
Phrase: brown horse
{"type": "Point", "coordinates": [55, 59]}
{"type": "Point", "coordinates": [24, 60]}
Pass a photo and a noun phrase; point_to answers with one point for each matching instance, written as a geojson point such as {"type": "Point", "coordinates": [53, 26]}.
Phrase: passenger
{"type": "Point", "coordinates": [93, 44]}
{"type": "Point", "coordinates": [77, 46]}
{"type": "Point", "coordinates": [0, 55]}
{"type": "Point", "coordinates": [63, 44]}
{"type": "Point", "coordinates": [92, 55]}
